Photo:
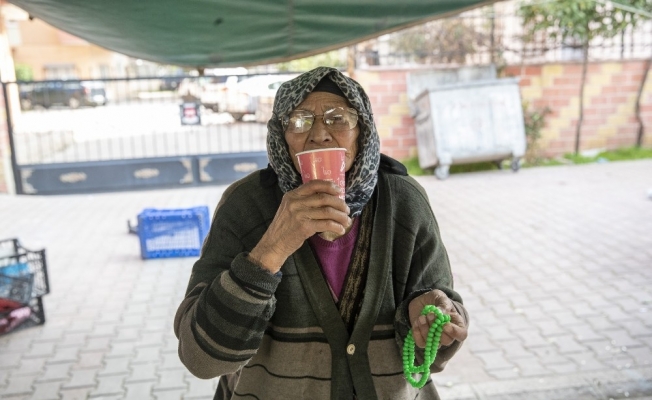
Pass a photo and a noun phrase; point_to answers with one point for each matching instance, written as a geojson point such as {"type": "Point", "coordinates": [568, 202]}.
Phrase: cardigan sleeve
{"type": "Point", "coordinates": [429, 269]}
{"type": "Point", "coordinates": [222, 319]}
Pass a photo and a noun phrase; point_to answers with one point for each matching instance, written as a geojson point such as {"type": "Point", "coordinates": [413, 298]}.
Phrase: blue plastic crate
{"type": "Point", "coordinates": [172, 232]}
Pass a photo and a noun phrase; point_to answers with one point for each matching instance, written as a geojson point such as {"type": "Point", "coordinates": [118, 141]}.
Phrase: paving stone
{"type": "Point", "coordinates": [46, 391]}
{"type": "Point", "coordinates": [517, 322]}
{"type": "Point", "coordinates": [620, 362]}
{"type": "Point", "coordinates": [586, 362]}
{"type": "Point", "coordinates": [642, 356]}
{"type": "Point", "coordinates": [637, 328]}
{"type": "Point", "coordinates": [30, 366]}
{"type": "Point", "coordinates": [98, 343]}
{"type": "Point", "coordinates": [74, 339]}
{"type": "Point", "coordinates": [147, 354]}
{"type": "Point", "coordinates": [585, 333]}
{"type": "Point", "coordinates": [171, 379]}
{"type": "Point", "coordinates": [615, 313]}
{"type": "Point", "coordinates": [104, 328]}
{"type": "Point", "coordinates": [139, 391]}
{"type": "Point", "coordinates": [172, 361]}
{"type": "Point", "coordinates": [513, 349]}
{"type": "Point", "coordinates": [531, 366]}
{"type": "Point", "coordinates": [40, 349]}
{"type": "Point", "coordinates": [498, 333]}
{"type": "Point", "coordinates": [550, 328]}
{"type": "Point", "coordinates": [10, 360]}
{"type": "Point", "coordinates": [121, 349]}
{"type": "Point", "coordinates": [64, 354]}
{"type": "Point", "coordinates": [566, 318]}
{"type": "Point", "coordinates": [109, 385]}
{"type": "Point", "coordinates": [563, 368]}
{"type": "Point", "coordinates": [494, 360]}
{"type": "Point", "coordinates": [600, 322]}
{"type": "Point", "coordinates": [115, 366]}
{"type": "Point", "coordinates": [584, 309]}
{"type": "Point", "coordinates": [20, 385]}
{"type": "Point", "coordinates": [198, 388]}
{"type": "Point", "coordinates": [75, 394]}
{"type": "Point", "coordinates": [82, 378]}
{"type": "Point", "coordinates": [621, 338]}
{"type": "Point", "coordinates": [92, 359]}
{"type": "Point", "coordinates": [80, 325]}
{"type": "Point", "coordinates": [143, 372]}
{"type": "Point", "coordinates": [531, 338]}
{"type": "Point", "coordinates": [552, 305]}
{"type": "Point", "coordinates": [127, 334]}
{"type": "Point", "coordinates": [629, 304]}
{"type": "Point", "coordinates": [168, 394]}
{"type": "Point", "coordinates": [55, 372]}
{"type": "Point", "coordinates": [504, 374]}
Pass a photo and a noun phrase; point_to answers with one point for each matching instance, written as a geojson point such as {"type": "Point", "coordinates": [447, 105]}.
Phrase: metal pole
{"type": "Point", "coordinates": [12, 147]}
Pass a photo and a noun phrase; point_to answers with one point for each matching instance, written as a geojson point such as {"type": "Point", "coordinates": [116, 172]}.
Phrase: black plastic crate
{"type": "Point", "coordinates": [22, 265]}
{"type": "Point", "coordinates": [24, 315]}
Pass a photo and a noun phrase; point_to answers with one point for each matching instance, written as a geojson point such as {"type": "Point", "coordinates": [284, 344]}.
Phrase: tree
{"type": "Point", "coordinates": [581, 21]}
{"type": "Point", "coordinates": [445, 41]}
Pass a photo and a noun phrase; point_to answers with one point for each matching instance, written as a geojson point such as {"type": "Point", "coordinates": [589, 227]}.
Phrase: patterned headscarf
{"type": "Point", "coordinates": [363, 175]}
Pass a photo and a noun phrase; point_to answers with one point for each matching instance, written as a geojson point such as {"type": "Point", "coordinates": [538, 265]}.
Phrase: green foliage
{"type": "Point", "coordinates": [534, 119]}
{"type": "Point", "coordinates": [623, 154]}
{"type": "Point", "coordinates": [24, 72]}
{"type": "Point", "coordinates": [580, 20]}
{"type": "Point", "coordinates": [330, 59]}
{"type": "Point", "coordinates": [413, 167]}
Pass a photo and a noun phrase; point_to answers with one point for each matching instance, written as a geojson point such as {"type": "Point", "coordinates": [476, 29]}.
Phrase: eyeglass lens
{"type": "Point", "coordinates": [335, 119]}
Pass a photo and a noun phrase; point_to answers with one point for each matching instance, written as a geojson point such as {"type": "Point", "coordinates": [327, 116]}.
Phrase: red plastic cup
{"type": "Point", "coordinates": [324, 164]}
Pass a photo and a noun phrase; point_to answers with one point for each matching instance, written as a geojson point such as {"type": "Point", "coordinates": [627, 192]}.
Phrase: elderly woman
{"type": "Point", "coordinates": [299, 294]}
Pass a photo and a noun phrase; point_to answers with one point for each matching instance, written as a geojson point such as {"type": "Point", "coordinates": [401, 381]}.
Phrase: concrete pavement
{"type": "Point", "coordinates": [554, 265]}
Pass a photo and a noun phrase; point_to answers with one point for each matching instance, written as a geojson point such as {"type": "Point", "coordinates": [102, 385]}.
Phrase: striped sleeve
{"type": "Point", "coordinates": [220, 326]}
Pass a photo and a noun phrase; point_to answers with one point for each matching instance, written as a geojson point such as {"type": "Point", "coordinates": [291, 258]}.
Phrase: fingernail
{"type": "Point", "coordinates": [431, 317]}
{"type": "Point", "coordinates": [422, 320]}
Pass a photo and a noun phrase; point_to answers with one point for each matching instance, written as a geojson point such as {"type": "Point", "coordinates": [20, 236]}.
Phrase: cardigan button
{"type": "Point", "coordinates": [350, 349]}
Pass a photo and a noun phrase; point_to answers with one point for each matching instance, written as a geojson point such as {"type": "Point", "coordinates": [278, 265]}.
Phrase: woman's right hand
{"type": "Point", "coordinates": [312, 207]}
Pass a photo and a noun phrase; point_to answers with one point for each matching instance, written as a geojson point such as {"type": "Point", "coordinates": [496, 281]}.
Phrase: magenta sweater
{"type": "Point", "coordinates": [334, 257]}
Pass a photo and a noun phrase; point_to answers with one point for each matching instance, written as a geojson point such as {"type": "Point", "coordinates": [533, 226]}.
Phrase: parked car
{"type": "Point", "coordinates": [62, 93]}
{"type": "Point", "coordinates": [207, 89]}
{"type": "Point", "coordinates": [170, 83]}
{"type": "Point", "coordinates": [244, 97]}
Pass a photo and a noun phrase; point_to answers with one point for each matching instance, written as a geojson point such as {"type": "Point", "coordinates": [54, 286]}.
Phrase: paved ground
{"type": "Point", "coordinates": [554, 264]}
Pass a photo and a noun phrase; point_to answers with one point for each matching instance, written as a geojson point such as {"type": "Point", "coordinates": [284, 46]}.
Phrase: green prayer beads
{"type": "Point", "coordinates": [430, 351]}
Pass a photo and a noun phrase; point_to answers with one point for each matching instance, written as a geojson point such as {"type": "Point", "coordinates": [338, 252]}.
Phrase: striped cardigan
{"type": "Point", "coordinates": [281, 336]}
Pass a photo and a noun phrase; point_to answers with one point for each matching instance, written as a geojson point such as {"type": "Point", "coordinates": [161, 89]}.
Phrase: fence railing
{"type": "Point", "coordinates": [484, 36]}
{"type": "Point", "coordinates": [61, 121]}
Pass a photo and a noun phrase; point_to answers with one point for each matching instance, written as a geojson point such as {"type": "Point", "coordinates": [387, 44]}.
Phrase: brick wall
{"type": "Point", "coordinates": [4, 147]}
{"type": "Point", "coordinates": [609, 99]}
{"type": "Point", "coordinates": [387, 91]}
{"type": "Point", "coordinates": [609, 119]}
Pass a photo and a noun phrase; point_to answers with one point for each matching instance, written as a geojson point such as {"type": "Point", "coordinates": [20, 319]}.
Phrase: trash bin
{"type": "Point", "coordinates": [470, 122]}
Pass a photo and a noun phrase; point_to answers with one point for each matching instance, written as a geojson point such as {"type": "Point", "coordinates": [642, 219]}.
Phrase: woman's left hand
{"type": "Point", "coordinates": [455, 330]}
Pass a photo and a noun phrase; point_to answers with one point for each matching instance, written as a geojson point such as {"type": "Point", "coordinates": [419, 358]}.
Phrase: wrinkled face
{"type": "Point", "coordinates": [319, 137]}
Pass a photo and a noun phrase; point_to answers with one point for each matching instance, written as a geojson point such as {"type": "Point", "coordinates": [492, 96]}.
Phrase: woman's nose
{"type": "Point", "coordinates": [319, 133]}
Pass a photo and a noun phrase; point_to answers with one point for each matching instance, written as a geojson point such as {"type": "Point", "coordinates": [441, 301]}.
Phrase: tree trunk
{"type": "Point", "coordinates": [585, 61]}
{"type": "Point", "coordinates": [641, 125]}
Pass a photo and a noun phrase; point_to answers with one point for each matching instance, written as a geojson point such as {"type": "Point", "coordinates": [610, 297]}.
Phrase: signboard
{"type": "Point", "coordinates": [190, 114]}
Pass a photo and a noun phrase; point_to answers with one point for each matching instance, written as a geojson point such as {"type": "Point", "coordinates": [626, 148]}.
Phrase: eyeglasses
{"type": "Point", "coordinates": [336, 119]}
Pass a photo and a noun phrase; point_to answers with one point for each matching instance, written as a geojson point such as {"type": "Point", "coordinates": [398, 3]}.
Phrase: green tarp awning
{"type": "Point", "coordinates": [207, 33]}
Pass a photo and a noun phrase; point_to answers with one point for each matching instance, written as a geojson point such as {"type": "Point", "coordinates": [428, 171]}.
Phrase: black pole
{"type": "Point", "coordinates": [12, 146]}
